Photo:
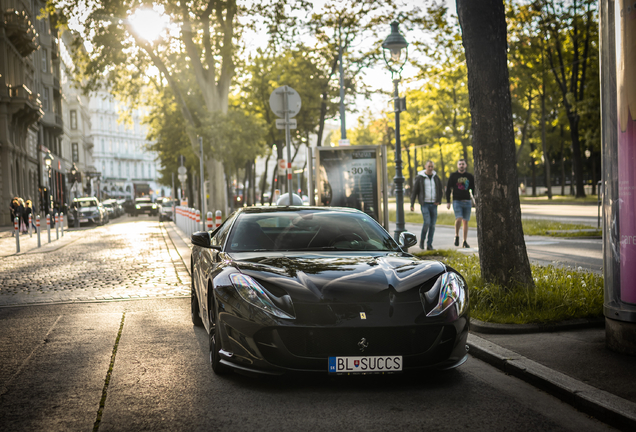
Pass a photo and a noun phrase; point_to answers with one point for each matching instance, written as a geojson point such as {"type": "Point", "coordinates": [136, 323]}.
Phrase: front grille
{"type": "Point", "coordinates": [323, 342]}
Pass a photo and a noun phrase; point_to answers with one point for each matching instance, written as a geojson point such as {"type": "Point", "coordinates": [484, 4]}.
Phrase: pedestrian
{"type": "Point", "coordinates": [28, 210]}
{"type": "Point", "coordinates": [15, 209]}
{"type": "Point", "coordinates": [460, 184]}
{"type": "Point", "coordinates": [427, 188]}
{"type": "Point", "coordinates": [22, 212]}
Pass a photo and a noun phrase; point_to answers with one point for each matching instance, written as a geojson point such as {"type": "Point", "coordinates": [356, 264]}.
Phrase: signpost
{"type": "Point", "coordinates": [285, 103]}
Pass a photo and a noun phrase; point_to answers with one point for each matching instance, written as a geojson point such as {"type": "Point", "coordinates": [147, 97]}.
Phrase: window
{"type": "Point", "coordinates": [45, 62]}
{"type": "Point", "coordinates": [119, 169]}
{"type": "Point", "coordinates": [45, 99]}
{"type": "Point", "coordinates": [103, 146]}
{"type": "Point", "coordinates": [75, 152]}
{"type": "Point", "coordinates": [73, 119]}
{"type": "Point", "coordinates": [112, 170]}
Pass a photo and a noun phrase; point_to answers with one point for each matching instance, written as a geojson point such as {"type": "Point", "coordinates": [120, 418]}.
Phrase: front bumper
{"type": "Point", "coordinates": [276, 349]}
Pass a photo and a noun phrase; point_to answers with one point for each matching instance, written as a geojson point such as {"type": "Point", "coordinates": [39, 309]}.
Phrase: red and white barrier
{"type": "Point", "coordinates": [37, 228]}
{"type": "Point", "coordinates": [208, 223]}
{"type": "Point", "coordinates": [48, 226]}
{"type": "Point", "coordinates": [218, 218]}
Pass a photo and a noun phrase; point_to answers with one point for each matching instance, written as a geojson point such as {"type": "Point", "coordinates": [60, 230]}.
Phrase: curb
{"type": "Point", "coordinates": [604, 406]}
{"type": "Point", "coordinates": [494, 328]}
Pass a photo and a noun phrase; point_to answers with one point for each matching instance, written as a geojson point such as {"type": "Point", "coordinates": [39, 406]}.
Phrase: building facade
{"type": "Point", "coordinates": [128, 168]}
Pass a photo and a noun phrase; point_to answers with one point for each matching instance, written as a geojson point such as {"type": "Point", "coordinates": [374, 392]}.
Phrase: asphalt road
{"type": "Point", "coordinates": [125, 356]}
{"type": "Point", "coordinates": [55, 361]}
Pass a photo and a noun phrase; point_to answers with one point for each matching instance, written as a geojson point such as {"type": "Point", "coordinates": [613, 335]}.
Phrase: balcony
{"type": "Point", "coordinates": [53, 122]}
{"type": "Point", "coordinates": [25, 106]}
{"type": "Point", "coordinates": [20, 31]}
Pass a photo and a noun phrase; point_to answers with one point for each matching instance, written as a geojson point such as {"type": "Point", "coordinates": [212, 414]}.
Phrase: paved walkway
{"type": "Point", "coordinates": [116, 261]}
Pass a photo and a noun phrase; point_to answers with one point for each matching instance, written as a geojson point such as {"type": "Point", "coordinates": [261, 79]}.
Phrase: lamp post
{"type": "Point", "coordinates": [395, 44]}
{"type": "Point", "coordinates": [48, 160]}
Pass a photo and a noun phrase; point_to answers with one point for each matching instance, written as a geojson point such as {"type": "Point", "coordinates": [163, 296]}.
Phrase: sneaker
{"type": "Point", "coordinates": [430, 248]}
{"type": "Point", "coordinates": [456, 240]}
{"type": "Point", "coordinates": [466, 245]}
{"type": "Point", "coordinates": [421, 246]}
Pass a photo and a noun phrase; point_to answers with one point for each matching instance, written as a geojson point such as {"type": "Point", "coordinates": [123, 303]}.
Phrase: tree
{"type": "Point", "coordinates": [573, 34]}
{"type": "Point", "coordinates": [199, 36]}
{"type": "Point", "coordinates": [502, 251]}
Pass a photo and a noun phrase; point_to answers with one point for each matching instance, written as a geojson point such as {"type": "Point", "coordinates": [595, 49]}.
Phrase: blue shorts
{"type": "Point", "coordinates": [462, 209]}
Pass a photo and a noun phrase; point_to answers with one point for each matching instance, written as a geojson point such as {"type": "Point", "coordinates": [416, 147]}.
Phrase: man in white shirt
{"type": "Point", "coordinates": [428, 190]}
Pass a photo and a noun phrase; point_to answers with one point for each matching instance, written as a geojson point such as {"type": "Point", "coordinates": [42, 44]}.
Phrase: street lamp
{"type": "Point", "coordinates": [48, 160]}
{"type": "Point", "coordinates": [395, 44]}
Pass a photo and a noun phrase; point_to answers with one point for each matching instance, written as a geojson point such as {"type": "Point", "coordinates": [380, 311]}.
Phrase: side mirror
{"type": "Point", "coordinates": [202, 239]}
{"type": "Point", "coordinates": [407, 240]}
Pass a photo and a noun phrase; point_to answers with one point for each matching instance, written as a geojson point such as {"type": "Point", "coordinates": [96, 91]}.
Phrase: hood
{"type": "Point", "coordinates": [423, 173]}
{"type": "Point", "coordinates": [341, 278]}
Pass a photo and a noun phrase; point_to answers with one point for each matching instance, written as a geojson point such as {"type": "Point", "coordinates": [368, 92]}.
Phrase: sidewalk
{"type": "Point", "coordinates": [29, 244]}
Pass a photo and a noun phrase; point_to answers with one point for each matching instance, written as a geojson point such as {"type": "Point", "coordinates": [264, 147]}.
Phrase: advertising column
{"type": "Point", "coordinates": [618, 110]}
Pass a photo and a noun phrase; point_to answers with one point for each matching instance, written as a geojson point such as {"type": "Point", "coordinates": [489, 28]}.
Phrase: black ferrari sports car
{"type": "Point", "coordinates": [321, 289]}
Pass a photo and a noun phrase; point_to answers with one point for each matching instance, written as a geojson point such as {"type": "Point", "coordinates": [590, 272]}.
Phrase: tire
{"type": "Point", "coordinates": [215, 346]}
{"type": "Point", "coordinates": [194, 302]}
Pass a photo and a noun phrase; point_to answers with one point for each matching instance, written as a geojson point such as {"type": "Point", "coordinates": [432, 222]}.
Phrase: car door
{"type": "Point", "coordinates": [210, 264]}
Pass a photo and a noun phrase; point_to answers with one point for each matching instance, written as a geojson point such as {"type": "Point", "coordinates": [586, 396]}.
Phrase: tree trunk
{"type": "Point", "coordinates": [544, 145]}
{"type": "Point", "coordinates": [502, 250]}
{"type": "Point", "coordinates": [562, 164]}
{"type": "Point", "coordinates": [264, 178]}
{"type": "Point", "coordinates": [441, 165]}
{"type": "Point", "coordinates": [408, 159]}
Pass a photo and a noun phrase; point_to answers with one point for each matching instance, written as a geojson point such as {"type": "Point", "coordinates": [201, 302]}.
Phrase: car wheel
{"type": "Point", "coordinates": [215, 347]}
{"type": "Point", "coordinates": [194, 303]}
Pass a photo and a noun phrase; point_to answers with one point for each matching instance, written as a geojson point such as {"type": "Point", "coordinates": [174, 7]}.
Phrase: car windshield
{"type": "Point", "coordinates": [87, 203]}
{"type": "Point", "coordinates": [167, 203]}
{"type": "Point", "coordinates": [305, 230]}
{"type": "Point", "coordinates": [142, 200]}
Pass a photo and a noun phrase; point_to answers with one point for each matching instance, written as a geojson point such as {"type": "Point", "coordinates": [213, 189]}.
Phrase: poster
{"type": "Point", "coordinates": [348, 177]}
{"type": "Point", "coordinates": [626, 92]}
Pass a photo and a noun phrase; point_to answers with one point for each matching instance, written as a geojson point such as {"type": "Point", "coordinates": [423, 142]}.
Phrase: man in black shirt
{"type": "Point", "coordinates": [460, 184]}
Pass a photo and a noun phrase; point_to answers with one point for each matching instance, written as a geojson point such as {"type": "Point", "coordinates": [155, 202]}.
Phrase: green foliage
{"type": "Point", "coordinates": [560, 293]}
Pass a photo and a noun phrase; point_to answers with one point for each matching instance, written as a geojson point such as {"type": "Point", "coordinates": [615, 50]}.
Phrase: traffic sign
{"type": "Point", "coordinates": [277, 103]}
{"type": "Point", "coordinates": [280, 123]}
{"type": "Point", "coordinates": [282, 164]}
{"type": "Point", "coordinates": [344, 142]}
{"type": "Point", "coordinates": [182, 170]}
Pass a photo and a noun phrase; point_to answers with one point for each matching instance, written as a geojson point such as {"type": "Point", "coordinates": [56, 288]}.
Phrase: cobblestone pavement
{"type": "Point", "coordinates": [117, 261]}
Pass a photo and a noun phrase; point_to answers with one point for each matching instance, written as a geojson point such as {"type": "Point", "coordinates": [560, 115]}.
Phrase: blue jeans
{"type": "Point", "coordinates": [462, 209]}
{"type": "Point", "coordinates": [429, 213]}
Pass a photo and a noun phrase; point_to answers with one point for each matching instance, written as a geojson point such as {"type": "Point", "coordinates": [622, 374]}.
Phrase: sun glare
{"type": "Point", "coordinates": [148, 23]}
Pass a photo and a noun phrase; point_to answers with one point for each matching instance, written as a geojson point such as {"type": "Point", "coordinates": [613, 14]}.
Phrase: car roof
{"type": "Point", "coordinates": [273, 209]}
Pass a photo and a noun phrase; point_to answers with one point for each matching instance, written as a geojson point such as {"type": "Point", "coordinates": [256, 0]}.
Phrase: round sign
{"type": "Point", "coordinates": [277, 101]}
{"type": "Point", "coordinates": [182, 170]}
{"type": "Point", "coordinates": [282, 164]}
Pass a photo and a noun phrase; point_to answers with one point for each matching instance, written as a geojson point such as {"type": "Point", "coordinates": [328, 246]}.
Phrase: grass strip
{"type": "Point", "coordinates": [560, 293]}
{"type": "Point", "coordinates": [102, 402]}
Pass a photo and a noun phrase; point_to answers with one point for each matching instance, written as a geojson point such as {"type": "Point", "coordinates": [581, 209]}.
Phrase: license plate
{"type": "Point", "coordinates": [83, 220]}
{"type": "Point", "coordinates": [365, 364]}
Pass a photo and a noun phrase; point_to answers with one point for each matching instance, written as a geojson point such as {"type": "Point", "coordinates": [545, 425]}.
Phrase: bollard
{"type": "Point", "coordinates": [30, 222]}
{"type": "Point", "coordinates": [57, 226]}
{"type": "Point", "coordinates": [48, 226]}
{"type": "Point", "coordinates": [16, 227]}
{"type": "Point", "coordinates": [37, 228]}
{"type": "Point", "coordinates": [208, 224]}
{"type": "Point", "coordinates": [218, 218]}
{"type": "Point", "coordinates": [198, 220]}
{"type": "Point", "coordinates": [62, 223]}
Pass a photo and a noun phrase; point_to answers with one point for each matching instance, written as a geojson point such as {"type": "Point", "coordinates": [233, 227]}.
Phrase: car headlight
{"type": "Point", "coordinates": [154, 206]}
{"type": "Point", "coordinates": [137, 207]}
{"type": "Point", "coordinates": [253, 293]}
{"type": "Point", "coordinates": [449, 290]}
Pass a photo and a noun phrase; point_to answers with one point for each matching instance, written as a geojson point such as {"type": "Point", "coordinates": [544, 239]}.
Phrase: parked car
{"type": "Point", "coordinates": [89, 210]}
{"type": "Point", "coordinates": [144, 205]}
{"type": "Point", "coordinates": [324, 290]}
{"type": "Point", "coordinates": [165, 209]}
{"type": "Point", "coordinates": [113, 207]}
